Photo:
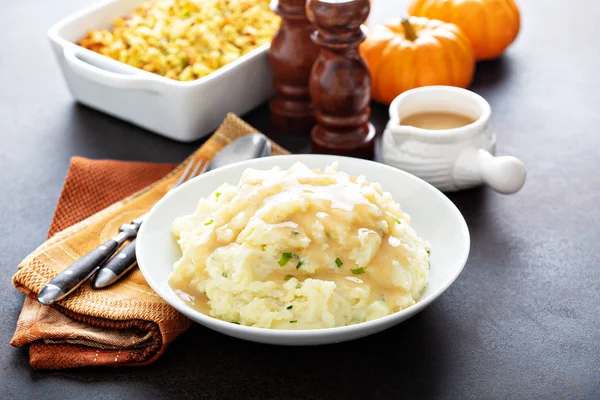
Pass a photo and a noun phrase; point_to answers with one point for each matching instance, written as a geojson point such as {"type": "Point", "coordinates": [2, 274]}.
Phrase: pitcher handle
{"type": "Point", "coordinates": [504, 174]}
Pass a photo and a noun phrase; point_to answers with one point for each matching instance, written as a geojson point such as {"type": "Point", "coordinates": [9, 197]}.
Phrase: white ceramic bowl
{"type": "Point", "coordinates": [183, 111]}
{"type": "Point", "coordinates": [434, 217]}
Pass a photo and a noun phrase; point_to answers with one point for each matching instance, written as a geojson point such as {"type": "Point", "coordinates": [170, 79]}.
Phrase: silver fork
{"type": "Point", "coordinates": [81, 270]}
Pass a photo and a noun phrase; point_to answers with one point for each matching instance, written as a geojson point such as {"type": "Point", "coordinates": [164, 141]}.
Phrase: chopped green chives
{"type": "Point", "coordinates": [289, 307]}
{"type": "Point", "coordinates": [287, 277]}
{"type": "Point", "coordinates": [339, 262]}
{"type": "Point", "coordinates": [397, 220]}
{"type": "Point", "coordinates": [233, 322]}
{"type": "Point", "coordinates": [224, 274]}
{"type": "Point", "coordinates": [428, 252]}
{"type": "Point", "coordinates": [299, 264]}
{"type": "Point", "coordinates": [295, 233]}
{"type": "Point", "coordinates": [293, 321]}
{"type": "Point", "coordinates": [208, 222]}
{"type": "Point", "coordinates": [285, 258]}
{"type": "Point", "coordinates": [217, 194]}
{"type": "Point", "coordinates": [358, 271]}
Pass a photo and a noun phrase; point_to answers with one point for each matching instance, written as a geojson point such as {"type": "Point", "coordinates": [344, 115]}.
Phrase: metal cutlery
{"type": "Point", "coordinates": [81, 270]}
{"type": "Point", "coordinates": [247, 147]}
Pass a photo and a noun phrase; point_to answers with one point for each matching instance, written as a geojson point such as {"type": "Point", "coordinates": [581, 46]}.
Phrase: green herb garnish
{"type": "Point", "coordinates": [339, 262]}
{"type": "Point", "coordinates": [289, 307]}
{"type": "Point", "coordinates": [285, 258]}
{"type": "Point", "coordinates": [299, 264]}
{"type": "Point", "coordinates": [295, 233]}
{"type": "Point", "coordinates": [358, 271]}
{"type": "Point", "coordinates": [208, 222]}
{"type": "Point", "coordinates": [428, 252]}
{"type": "Point", "coordinates": [217, 194]}
{"type": "Point", "coordinates": [224, 274]}
{"type": "Point", "coordinates": [397, 220]}
{"type": "Point", "coordinates": [233, 322]}
{"type": "Point", "coordinates": [287, 277]}
{"type": "Point", "coordinates": [293, 321]}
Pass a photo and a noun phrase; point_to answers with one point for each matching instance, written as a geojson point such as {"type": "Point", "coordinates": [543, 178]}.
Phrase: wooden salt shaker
{"type": "Point", "coordinates": [340, 84]}
{"type": "Point", "coordinates": [291, 56]}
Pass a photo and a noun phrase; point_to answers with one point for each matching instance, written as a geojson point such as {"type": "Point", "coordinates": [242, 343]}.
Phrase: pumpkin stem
{"type": "Point", "coordinates": [409, 30]}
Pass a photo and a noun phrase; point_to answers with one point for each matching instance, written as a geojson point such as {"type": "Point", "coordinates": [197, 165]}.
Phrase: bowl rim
{"type": "Point", "coordinates": [302, 333]}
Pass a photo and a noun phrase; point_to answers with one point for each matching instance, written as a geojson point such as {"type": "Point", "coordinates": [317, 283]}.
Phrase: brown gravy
{"type": "Point", "coordinates": [437, 120]}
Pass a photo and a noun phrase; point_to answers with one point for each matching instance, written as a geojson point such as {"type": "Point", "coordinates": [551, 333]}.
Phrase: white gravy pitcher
{"type": "Point", "coordinates": [449, 159]}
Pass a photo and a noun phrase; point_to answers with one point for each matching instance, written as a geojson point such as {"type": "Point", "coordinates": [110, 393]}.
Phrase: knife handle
{"type": "Point", "coordinates": [78, 272]}
{"type": "Point", "coordinates": [116, 267]}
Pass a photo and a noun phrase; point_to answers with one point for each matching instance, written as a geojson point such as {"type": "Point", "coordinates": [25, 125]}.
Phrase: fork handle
{"type": "Point", "coordinates": [80, 271]}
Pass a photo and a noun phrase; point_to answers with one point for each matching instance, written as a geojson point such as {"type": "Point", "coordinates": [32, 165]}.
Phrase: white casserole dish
{"type": "Point", "coordinates": [183, 111]}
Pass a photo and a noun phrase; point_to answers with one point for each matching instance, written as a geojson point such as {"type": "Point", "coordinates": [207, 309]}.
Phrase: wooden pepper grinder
{"type": "Point", "coordinates": [340, 84]}
{"type": "Point", "coordinates": [291, 56]}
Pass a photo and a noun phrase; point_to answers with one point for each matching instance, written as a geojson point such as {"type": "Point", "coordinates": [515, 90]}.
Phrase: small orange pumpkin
{"type": "Point", "coordinates": [406, 53]}
{"type": "Point", "coordinates": [490, 25]}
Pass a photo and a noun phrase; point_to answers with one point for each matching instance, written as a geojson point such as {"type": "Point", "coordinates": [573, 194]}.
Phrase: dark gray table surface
{"type": "Point", "coordinates": [522, 321]}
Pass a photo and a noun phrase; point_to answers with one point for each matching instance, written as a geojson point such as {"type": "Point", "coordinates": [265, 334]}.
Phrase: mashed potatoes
{"type": "Point", "coordinates": [299, 249]}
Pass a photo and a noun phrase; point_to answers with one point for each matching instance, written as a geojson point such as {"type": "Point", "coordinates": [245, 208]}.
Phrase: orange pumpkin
{"type": "Point", "coordinates": [490, 25]}
{"type": "Point", "coordinates": [407, 53]}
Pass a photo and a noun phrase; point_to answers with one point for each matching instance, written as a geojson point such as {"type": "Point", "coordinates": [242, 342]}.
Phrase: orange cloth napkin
{"type": "Point", "coordinates": [126, 324]}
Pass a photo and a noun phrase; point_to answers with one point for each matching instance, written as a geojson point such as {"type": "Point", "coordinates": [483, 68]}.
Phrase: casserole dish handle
{"type": "Point", "coordinates": [104, 77]}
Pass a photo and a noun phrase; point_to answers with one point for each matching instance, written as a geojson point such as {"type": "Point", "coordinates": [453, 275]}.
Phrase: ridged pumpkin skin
{"type": "Point", "coordinates": [490, 25]}
{"type": "Point", "coordinates": [439, 55]}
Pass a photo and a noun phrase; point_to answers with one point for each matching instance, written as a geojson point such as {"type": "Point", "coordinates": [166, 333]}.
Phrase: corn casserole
{"type": "Point", "coordinates": [186, 39]}
{"type": "Point", "coordinates": [299, 249]}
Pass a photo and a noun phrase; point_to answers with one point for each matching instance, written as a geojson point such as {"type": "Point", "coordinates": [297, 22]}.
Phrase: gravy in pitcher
{"type": "Point", "coordinates": [436, 120]}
